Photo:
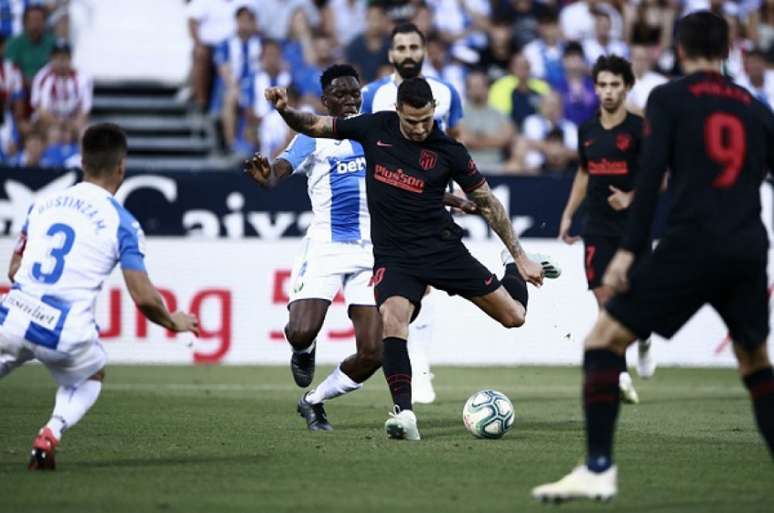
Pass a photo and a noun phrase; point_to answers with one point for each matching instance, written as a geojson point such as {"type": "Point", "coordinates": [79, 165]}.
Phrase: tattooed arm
{"type": "Point", "coordinates": [494, 213]}
{"type": "Point", "coordinates": [306, 123]}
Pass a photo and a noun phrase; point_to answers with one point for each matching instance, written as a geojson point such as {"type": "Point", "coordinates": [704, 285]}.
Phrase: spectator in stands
{"type": "Point", "coordinates": [603, 42]}
{"type": "Point", "coordinates": [557, 157]}
{"type": "Point", "coordinates": [544, 53]}
{"type": "Point", "coordinates": [32, 152]}
{"type": "Point", "coordinates": [760, 25]}
{"type": "Point", "coordinates": [209, 23]}
{"type": "Point", "coordinates": [523, 16]}
{"type": "Point", "coordinates": [274, 73]}
{"type": "Point", "coordinates": [495, 56]}
{"type": "Point", "coordinates": [238, 60]}
{"type": "Point", "coordinates": [12, 106]}
{"type": "Point", "coordinates": [61, 96]}
{"type": "Point", "coordinates": [31, 49]}
{"type": "Point", "coordinates": [344, 19]}
{"type": "Point", "coordinates": [538, 126]}
{"type": "Point", "coordinates": [518, 94]}
{"type": "Point", "coordinates": [368, 51]}
{"type": "Point", "coordinates": [440, 65]}
{"type": "Point", "coordinates": [485, 131]}
{"type": "Point", "coordinates": [274, 133]}
{"type": "Point", "coordinates": [11, 13]}
{"type": "Point", "coordinates": [757, 78]}
{"type": "Point", "coordinates": [577, 88]}
{"type": "Point", "coordinates": [649, 22]}
{"type": "Point", "coordinates": [645, 79]}
{"type": "Point", "coordinates": [577, 20]}
{"type": "Point", "coordinates": [275, 17]}
{"type": "Point", "coordinates": [423, 18]}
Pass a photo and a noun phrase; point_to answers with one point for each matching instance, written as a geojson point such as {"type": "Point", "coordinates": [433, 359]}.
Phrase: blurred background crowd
{"type": "Point", "coordinates": [522, 67]}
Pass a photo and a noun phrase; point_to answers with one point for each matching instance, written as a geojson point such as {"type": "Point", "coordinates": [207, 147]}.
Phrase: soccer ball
{"type": "Point", "coordinates": [488, 414]}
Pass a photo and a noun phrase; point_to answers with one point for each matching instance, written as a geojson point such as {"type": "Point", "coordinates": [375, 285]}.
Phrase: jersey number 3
{"type": "Point", "coordinates": [725, 139]}
{"type": "Point", "coordinates": [57, 253]}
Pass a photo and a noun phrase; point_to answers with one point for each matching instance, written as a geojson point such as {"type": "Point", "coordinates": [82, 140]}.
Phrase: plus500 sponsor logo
{"type": "Point", "coordinates": [351, 166]}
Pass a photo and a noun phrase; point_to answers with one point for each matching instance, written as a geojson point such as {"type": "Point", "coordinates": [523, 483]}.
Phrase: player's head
{"type": "Point", "coordinates": [341, 90]}
{"type": "Point", "coordinates": [246, 24]}
{"type": "Point", "coordinates": [416, 109]}
{"type": "Point", "coordinates": [613, 79]}
{"type": "Point", "coordinates": [703, 35]}
{"type": "Point", "coordinates": [34, 20]}
{"type": "Point", "coordinates": [60, 58]}
{"type": "Point", "coordinates": [407, 50]}
{"type": "Point", "coordinates": [103, 153]}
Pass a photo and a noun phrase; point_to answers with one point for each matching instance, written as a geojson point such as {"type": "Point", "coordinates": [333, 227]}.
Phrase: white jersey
{"type": "Point", "coordinates": [335, 173]}
{"type": "Point", "coordinates": [74, 239]}
{"type": "Point", "coordinates": [381, 95]}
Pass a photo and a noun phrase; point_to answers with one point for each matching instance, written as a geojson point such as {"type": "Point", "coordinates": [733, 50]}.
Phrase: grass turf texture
{"type": "Point", "coordinates": [228, 439]}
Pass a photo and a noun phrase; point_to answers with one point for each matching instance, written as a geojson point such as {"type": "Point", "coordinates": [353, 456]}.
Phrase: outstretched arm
{"type": "Point", "coordinates": [306, 123]}
{"type": "Point", "coordinates": [267, 175]}
{"type": "Point", "coordinates": [494, 213]}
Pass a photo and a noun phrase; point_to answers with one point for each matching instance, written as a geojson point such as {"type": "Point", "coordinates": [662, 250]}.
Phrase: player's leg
{"type": "Point", "coordinates": [756, 372]}
{"type": "Point", "coordinates": [501, 306]}
{"type": "Point", "coordinates": [13, 353]}
{"type": "Point", "coordinates": [420, 337]}
{"type": "Point", "coordinates": [351, 373]}
{"type": "Point", "coordinates": [396, 314]}
{"type": "Point", "coordinates": [79, 375]}
{"type": "Point", "coordinates": [305, 319]}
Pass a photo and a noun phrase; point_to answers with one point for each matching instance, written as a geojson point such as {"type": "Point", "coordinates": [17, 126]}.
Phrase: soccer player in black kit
{"type": "Point", "coordinates": [410, 162]}
{"type": "Point", "coordinates": [717, 142]}
{"type": "Point", "coordinates": [608, 147]}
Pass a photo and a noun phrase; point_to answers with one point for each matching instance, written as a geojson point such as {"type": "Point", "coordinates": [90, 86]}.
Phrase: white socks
{"type": "Point", "coordinates": [71, 405]}
{"type": "Point", "coordinates": [337, 383]}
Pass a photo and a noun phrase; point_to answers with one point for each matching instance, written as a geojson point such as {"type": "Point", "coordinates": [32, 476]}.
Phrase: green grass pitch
{"type": "Point", "coordinates": [221, 439]}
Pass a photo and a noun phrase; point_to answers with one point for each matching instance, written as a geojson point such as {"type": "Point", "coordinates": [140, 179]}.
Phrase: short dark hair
{"type": "Point", "coordinates": [102, 148]}
{"type": "Point", "coordinates": [615, 65]}
{"type": "Point", "coordinates": [244, 9]}
{"type": "Point", "coordinates": [703, 34]}
{"type": "Point", "coordinates": [415, 92]}
{"type": "Point", "coordinates": [407, 28]}
{"type": "Point", "coordinates": [61, 47]}
{"type": "Point", "coordinates": [331, 73]}
{"type": "Point", "coordinates": [573, 48]}
{"type": "Point", "coordinates": [34, 7]}
{"type": "Point", "coordinates": [547, 17]}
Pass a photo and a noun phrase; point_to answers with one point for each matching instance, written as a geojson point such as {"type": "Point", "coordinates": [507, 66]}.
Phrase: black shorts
{"type": "Point", "coordinates": [597, 254]}
{"type": "Point", "coordinates": [456, 272]}
{"type": "Point", "coordinates": [669, 285]}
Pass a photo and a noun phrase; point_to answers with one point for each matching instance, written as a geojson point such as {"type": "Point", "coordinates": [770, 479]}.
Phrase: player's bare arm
{"type": "Point", "coordinates": [457, 202]}
{"type": "Point", "coordinates": [14, 266]}
{"type": "Point", "coordinates": [306, 123]}
{"type": "Point", "coordinates": [577, 194]}
{"type": "Point", "coordinates": [494, 213]}
{"type": "Point", "coordinates": [266, 174]}
{"type": "Point", "coordinates": [151, 304]}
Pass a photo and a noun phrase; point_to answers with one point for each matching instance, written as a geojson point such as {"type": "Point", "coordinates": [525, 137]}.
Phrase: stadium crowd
{"type": "Point", "coordinates": [522, 66]}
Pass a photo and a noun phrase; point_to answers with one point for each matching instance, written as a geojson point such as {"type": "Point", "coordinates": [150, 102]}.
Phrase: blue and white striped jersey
{"type": "Point", "coordinates": [75, 238]}
{"type": "Point", "coordinates": [244, 57]}
{"type": "Point", "coordinates": [382, 94]}
{"type": "Point", "coordinates": [336, 175]}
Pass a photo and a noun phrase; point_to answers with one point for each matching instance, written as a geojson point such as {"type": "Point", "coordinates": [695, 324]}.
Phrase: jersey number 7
{"type": "Point", "coordinates": [726, 142]}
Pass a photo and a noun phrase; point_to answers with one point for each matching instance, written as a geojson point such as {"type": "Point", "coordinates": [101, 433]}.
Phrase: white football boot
{"type": "Point", "coordinates": [646, 363]}
{"type": "Point", "coordinates": [581, 483]}
{"type": "Point", "coordinates": [402, 425]}
{"type": "Point", "coordinates": [551, 269]}
{"type": "Point", "coordinates": [625, 385]}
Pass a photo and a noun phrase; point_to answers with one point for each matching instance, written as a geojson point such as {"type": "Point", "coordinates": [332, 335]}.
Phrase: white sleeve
{"type": "Point", "coordinates": [533, 128]}
{"type": "Point", "coordinates": [36, 92]}
{"type": "Point", "coordinates": [261, 107]}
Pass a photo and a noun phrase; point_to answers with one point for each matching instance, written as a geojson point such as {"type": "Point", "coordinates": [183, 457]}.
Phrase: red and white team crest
{"type": "Point", "coordinates": [427, 159]}
{"type": "Point", "coordinates": [623, 141]}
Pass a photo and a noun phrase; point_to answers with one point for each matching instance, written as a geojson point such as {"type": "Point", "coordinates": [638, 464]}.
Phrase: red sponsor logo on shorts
{"type": "Point", "coordinates": [623, 141]}
{"type": "Point", "coordinates": [399, 179]}
{"type": "Point", "coordinates": [427, 159]}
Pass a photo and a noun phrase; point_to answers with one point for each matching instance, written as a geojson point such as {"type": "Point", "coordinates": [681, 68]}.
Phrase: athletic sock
{"type": "Point", "coordinates": [306, 350]}
{"type": "Point", "coordinates": [397, 371]}
{"type": "Point", "coordinates": [601, 400]}
{"type": "Point", "coordinates": [761, 387]}
{"type": "Point", "coordinates": [71, 405]}
{"type": "Point", "coordinates": [337, 383]}
{"type": "Point", "coordinates": [515, 284]}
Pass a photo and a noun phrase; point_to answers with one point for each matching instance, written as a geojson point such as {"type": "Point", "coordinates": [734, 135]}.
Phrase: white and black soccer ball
{"type": "Point", "coordinates": [488, 414]}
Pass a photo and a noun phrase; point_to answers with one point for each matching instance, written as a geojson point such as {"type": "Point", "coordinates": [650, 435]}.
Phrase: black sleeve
{"type": "Point", "coordinates": [355, 127]}
{"type": "Point", "coordinates": [769, 117]}
{"type": "Point", "coordinates": [464, 170]}
{"type": "Point", "coordinates": [582, 158]}
{"type": "Point", "coordinates": [654, 159]}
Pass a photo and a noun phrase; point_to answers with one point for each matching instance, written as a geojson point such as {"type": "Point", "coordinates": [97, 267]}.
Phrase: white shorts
{"type": "Point", "coordinates": [69, 367]}
{"type": "Point", "coordinates": [324, 268]}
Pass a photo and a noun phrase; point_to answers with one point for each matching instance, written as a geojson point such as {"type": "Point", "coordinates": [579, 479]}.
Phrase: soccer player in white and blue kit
{"type": "Point", "coordinates": [70, 243]}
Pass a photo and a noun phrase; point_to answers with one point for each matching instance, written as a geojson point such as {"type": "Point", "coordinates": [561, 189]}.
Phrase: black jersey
{"type": "Point", "coordinates": [611, 158]}
{"type": "Point", "coordinates": [406, 182]}
{"type": "Point", "coordinates": [717, 142]}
